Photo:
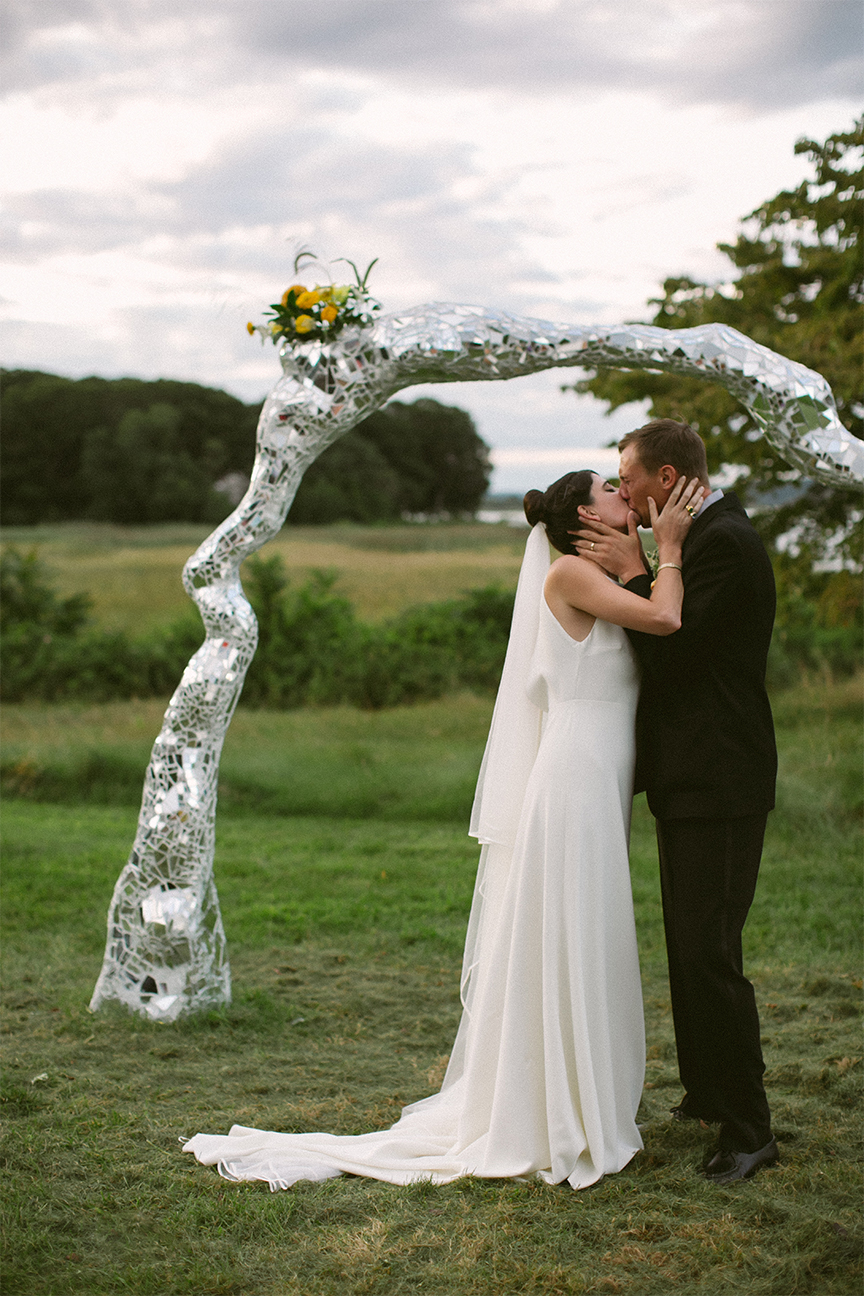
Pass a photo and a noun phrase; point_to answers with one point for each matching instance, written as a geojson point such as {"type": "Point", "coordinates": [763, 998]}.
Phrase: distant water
{"type": "Point", "coordinates": [513, 517]}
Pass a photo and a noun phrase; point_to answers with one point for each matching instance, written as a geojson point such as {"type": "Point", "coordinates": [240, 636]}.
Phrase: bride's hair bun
{"type": "Point", "coordinates": [534, 506]}
{"type": "Point", "coordinates": [558, 507]}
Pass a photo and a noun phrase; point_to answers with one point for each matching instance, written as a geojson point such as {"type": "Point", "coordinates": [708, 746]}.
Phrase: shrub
{"type": "Point", "coordinates": [313, 651]}
{"type": "Point", "coordinates": [308, 639]}
{"type": "Point", "coordinates": [819, 622]}
{"type": "Point", "coordinates": [49, 648]}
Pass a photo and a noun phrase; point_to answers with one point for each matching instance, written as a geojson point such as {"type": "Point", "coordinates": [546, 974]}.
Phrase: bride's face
{"type": "Point", "coordinates": [607, 504]}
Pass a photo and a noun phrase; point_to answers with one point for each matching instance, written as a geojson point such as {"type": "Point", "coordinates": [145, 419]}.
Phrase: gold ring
{"type": "Point", "coordinates": [691, 509]}
{"type": "Point", "coordinates": [592, 546]}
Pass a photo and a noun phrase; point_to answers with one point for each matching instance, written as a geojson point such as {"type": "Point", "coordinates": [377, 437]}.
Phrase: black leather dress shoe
{"type": "Point", "coordinates": [726, 1167]}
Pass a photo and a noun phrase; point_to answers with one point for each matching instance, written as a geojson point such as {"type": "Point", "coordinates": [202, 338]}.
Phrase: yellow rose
{"type": "Point", "coordinates": [250, 328]}
{"type": "Point", "coordinates": [304, 323]}
{"type": "Point", "coordinates": [307, 299]}
{"type": "Point", "coordinates": [329, 314]}
{"type": "Point", "coordinates": [275, 329]}
{"type": "Point", "coordinates": [295, 288]}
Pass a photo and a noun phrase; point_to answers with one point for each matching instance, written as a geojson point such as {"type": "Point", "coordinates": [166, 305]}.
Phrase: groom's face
{"type": "Point", "coordinates": [637, 484]}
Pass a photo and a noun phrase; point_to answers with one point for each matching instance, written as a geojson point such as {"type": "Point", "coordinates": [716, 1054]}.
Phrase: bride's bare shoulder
{"type": "Point", "coordinates": [569, 569]}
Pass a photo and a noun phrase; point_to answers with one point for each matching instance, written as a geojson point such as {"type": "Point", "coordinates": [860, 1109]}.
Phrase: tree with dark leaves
{"type": "Point", "coordinates": [119, 450]}
{"type": "Point", "coordinates": [423, 459]}
{"type": "Point", "coordinates": [797, 288]}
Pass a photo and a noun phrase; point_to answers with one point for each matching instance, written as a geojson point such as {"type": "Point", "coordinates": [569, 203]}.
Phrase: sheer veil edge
{"type": "Point", "coordinates": [511, 750]}
{"type": "Point", "coordinates": [514, 735]}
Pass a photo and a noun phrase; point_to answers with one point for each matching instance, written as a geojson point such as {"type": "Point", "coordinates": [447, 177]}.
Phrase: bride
{"type": "Point", "coordinates": [547, 1068]}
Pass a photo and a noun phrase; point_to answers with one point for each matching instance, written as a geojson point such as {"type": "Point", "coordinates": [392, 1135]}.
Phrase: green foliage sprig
{"type": "Point", "coordinates": [320, 313]}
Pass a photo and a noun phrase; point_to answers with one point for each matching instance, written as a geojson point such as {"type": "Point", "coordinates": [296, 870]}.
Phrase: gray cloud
{"type": "Point", "coordinates": [308, 176]}
{"type": "Point", "coordinates": [404, 202]}
{"type": "Point", "coordinates": [299, 178]}
{"type": "Point", "coordinates": [304, 173]}
{"type": "Point", "coordinates": [286, 174]}
{"type": "Point", "coordinates": [204, 348]}
{"type": "Point", "coordinates": [49, 222]}
{"type": "Point", "coordinates": [756, 52]}
{"type": "Point", "coordinates": [753, 53]}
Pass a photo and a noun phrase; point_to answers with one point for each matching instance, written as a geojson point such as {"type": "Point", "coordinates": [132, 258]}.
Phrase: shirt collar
{"type": "Point", "coordinates": [707, 502]}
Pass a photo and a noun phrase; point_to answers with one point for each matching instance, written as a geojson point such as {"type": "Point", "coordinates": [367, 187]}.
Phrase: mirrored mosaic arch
{"type": "Point", "coordinates": [166, 952]}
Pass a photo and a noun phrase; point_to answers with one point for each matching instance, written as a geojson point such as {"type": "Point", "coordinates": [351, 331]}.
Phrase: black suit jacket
{"type": "Point", "coordinates": [704, 731]}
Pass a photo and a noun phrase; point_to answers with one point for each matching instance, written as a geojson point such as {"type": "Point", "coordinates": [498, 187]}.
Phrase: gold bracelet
{"type": "Point", "coordinates": [660, 568]}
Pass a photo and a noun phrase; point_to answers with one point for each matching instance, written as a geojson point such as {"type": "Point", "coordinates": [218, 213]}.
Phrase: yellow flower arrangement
{"type": "Point", "coordinates": [318, 313]}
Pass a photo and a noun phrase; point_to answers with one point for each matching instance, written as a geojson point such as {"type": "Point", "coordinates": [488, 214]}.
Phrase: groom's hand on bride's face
{"type": "Point", "coordinates": [617, 553]}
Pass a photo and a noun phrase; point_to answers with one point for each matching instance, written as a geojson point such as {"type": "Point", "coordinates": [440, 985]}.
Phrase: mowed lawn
{"type": "Point", "coordinates": [345, 876]}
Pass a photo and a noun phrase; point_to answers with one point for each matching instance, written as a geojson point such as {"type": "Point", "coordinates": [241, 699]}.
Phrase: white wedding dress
{"type": "Point", "coordinates": [547, 1069]}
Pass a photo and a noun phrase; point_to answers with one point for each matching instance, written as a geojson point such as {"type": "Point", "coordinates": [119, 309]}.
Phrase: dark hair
{"type": "Point", "coordinates": [558, 507]}
{"type": "Point", "coordinates": [664, 441]}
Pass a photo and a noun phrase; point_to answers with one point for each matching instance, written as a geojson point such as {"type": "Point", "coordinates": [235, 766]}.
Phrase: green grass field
{"type": "Point", "coordinates": [409, 762]}
{"type": "Point", "coordinates": [345, 876]}
{"type": "Point", "coordinates": [133, 573]}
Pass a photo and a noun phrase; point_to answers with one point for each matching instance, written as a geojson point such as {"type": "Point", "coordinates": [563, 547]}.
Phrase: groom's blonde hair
{"type": "Point", "coordinates": [665, 441]}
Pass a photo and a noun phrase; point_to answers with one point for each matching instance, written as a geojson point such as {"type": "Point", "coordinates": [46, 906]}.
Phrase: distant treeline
{"type": "Point", "coordinates": [127, 451]}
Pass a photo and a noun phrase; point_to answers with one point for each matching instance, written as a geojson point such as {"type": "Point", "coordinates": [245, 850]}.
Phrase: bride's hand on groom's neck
{"type": "Point", "coordinates": [617, 553]}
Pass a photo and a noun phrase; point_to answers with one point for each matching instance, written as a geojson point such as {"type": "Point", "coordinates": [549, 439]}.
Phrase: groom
{"type": "Point", "coordinates": [707, 759]}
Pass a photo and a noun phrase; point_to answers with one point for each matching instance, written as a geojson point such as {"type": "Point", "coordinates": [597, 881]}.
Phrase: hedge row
{"type": "Point", "coordinates": [314, 651]}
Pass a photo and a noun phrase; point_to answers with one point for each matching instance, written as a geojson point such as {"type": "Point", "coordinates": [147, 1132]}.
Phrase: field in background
{"type": "Point", "coordinates": [133, 573]}
{"type": "Point", "coordinates": [345, 939]}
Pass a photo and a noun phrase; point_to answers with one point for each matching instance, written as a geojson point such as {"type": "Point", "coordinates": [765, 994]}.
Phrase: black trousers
{"type": "Point", "coordinates": [708, 871]}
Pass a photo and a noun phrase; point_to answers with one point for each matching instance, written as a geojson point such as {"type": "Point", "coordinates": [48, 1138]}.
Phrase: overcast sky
{"type": "Point", "coordinates": [558, 158]}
